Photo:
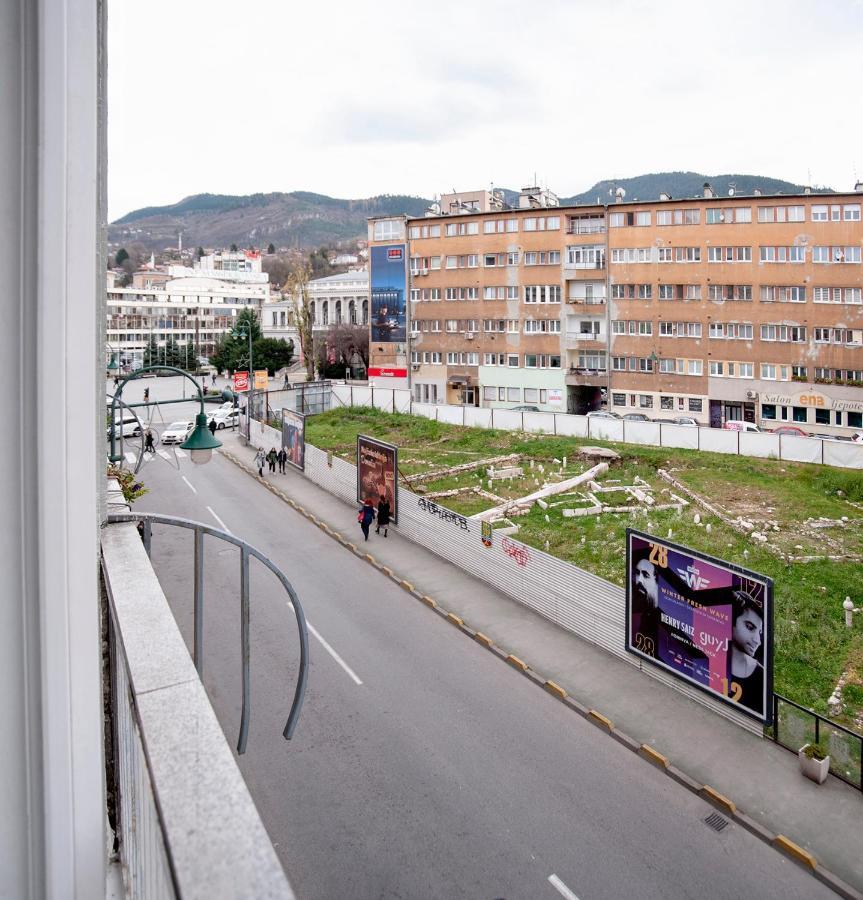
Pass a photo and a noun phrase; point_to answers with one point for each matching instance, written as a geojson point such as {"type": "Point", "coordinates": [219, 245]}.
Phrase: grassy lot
{"type": "Point", "coordinates": [813, 646]}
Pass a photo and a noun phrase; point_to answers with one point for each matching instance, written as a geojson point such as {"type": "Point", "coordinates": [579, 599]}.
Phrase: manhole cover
{"type": "Point", "coordinates": [716, 822]}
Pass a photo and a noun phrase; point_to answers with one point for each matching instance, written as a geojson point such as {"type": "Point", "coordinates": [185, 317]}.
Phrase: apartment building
{"type": "Point", "coordinates": [719, 308]}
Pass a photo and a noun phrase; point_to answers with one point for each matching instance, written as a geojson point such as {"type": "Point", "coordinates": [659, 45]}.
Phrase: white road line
{"type": "Point", "coordinates": [224, 526]}
{"type": "Point", "coordinates": [130, 457]}
{"type": "Point", "coordinates": [163, 454]}
{"type": "Point", "coordinates": [193, 488]}
{"type": "Point", "coordinates": [351, 674]}
{"type": "Point", "coordinates": [180, 453]}
{"type": "Point", "coordinates": [561, 888]}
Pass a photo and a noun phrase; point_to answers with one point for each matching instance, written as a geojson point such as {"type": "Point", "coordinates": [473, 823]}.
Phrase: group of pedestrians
{"type": "Point", "coordinates": [271, 460]}
{"type": "Point", "coordinates": [368, 513]}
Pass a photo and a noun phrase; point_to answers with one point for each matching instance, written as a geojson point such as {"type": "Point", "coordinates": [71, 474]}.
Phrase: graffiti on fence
{"type": "Point", "coordinates": [515, 552]}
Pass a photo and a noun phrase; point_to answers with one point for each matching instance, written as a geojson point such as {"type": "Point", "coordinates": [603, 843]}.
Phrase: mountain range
{"type": "Point", "coordinates": [303, 219]}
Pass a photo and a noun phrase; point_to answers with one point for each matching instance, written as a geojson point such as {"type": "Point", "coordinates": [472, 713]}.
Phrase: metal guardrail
{"type": "Point", "coordinates": [147, 520]}
{"type": "Point", "coordinates": [795, 725]}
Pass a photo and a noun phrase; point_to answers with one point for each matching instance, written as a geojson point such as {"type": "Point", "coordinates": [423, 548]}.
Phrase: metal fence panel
{"type": "Point", "coordinates": [571, 426]}
{"type": "Point", "coordinates": [753, 443]}
{"type": "Point", "coordinates": [426, 410]}
{"type": "Point", "coordinates": [506, 419]}
{"type": "Point", "coordinates": [382, 398]}
{"type": "Point", "coordinates": [452, 415]}
{"type": "Point", "coordinates": [683, 436]}
{"type": "Point", "coordinates": [402, 401]}
{"type": "Point", "coordinates": [477, 417]}
{"type": "Point", "coordinates": [361, 396]}
{"type": "Point", "coordinates": [542, 422]}
{"type": "Point", "coordinates": [842, 453]}
{"type": "Point", "coordinates": [642, 433]}
{"type": "Point", "coordinates": [718, 440]}
{"type": "Point", "coordinates": [801, 449]}
{"type": "Point", "coordinates": [601, 429]}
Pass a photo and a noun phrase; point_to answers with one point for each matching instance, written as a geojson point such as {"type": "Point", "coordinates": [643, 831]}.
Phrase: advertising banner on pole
{"type": "Point", "coordinates": [704, 620]}
{"type": "Point", "coordinates": [377, 472]}
{"type": "Point", "coordinates": [294, 437]}
{"type": "Point", "coordinates": [241, 382]}
{"type": "Point", "coordinates": [261, 379]}
{"type": "Point", "coordinates": [388, 294]}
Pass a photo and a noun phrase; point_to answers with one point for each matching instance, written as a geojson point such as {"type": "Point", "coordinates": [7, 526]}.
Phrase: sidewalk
{"type": "Point", "coordinates": [760, 777]}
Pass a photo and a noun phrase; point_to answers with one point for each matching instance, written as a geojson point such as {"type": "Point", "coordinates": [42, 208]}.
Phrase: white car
{"type": "Point", "coordinates": [177, 432]}
{"type": "Point", "coordinates": [602, 414]}
{"type": "Point", "coordinates": [225, 418]}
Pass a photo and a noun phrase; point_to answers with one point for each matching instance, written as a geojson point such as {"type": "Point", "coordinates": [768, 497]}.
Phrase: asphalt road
{"type": "Point", "coordinates": [422, 766]}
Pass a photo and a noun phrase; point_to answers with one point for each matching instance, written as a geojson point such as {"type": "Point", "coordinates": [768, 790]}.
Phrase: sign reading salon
{"type": "Point", "coordinates": [815, 399]}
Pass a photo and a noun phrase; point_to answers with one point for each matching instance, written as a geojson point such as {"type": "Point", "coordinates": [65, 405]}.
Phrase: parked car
{"type": "Point", "coordinates": [685, 420]}
{"type": "Point", "coordinates": [177, 432]}
{"type": "Point", "coordinates": [125, 425]}
{"type": "Point", "coordinates": [791, 429]}
{"type": "Point", "coordinates": [636, 417]}
{"type": "Point", "coordinates": [834, 437]}
{"type": "Point", "coordinates": [225, 418]}
{"type": "Point", "coordinates": [740, 425]}
{"type": "Point", "coordinates": [525, 409]}
{"type": "Point", "coordinates": [602, 414]}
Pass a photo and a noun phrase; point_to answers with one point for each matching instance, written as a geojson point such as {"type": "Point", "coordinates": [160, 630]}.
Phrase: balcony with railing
{"type": "Point", "coordinates": [584, 258]}
{"type": "Point", "coordinates": [587, 225]}
{"type": "Point", "coordinates": [577, 338]}
{"type": "Point", "coordinates": [185, 823]}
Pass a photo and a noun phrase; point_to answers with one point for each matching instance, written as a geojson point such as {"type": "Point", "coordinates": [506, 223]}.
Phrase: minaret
{"type": "Point", "coordinates": [180, 242]}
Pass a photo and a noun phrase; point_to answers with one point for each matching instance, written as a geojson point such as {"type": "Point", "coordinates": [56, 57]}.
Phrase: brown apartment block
{"type": "Point", "coordinates": [718, 308]}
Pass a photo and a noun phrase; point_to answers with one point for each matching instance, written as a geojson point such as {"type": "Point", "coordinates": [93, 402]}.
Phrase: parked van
{"type": "Point", "coordinates": [740, 425]}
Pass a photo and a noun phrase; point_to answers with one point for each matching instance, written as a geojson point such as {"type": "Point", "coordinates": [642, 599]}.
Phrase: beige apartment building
{"type": "Point", "coordinates": [719, 308]}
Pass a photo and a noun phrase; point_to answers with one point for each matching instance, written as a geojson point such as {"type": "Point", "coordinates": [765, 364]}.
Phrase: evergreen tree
{"type": "Point", "coordinates": [121, 257]}
{"type": "Point", "coordinates": [271, 249]}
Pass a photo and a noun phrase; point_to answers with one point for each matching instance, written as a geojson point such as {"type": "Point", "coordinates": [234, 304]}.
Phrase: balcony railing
{"type": "Point", "coordinates": [584, 336]}
{"type": "Point", "coordinates": [575, 227]}
{"type": "Point", "coordinates": [587, 301]}
{"type": "Point", "coordinates": [185, 822]}
{"type": "Point", "coordinates": [593, 264]}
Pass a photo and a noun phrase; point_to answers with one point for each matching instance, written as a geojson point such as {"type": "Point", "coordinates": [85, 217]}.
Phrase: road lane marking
{"type": "Point", "coordinates": [224, 526]}
{"type": "Point", "coordinates": [130, 457]}
{"type": "Point", "coordinates": [180, 453]}
{"type": "Point", "coordinates": [351, 674]}
{"type": "Point", "coordinates": [193, 488]}
{"type": "Point", "coordinates": [163, 454]}
{"type": "Point", "coordinates": [561, 888]}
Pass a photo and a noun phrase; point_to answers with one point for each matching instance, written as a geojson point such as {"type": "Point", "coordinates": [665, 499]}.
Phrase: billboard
{"type": "Point", "coordinates": [294, 437]}
{"type": "Point", "coordinates": [377, 472]}
{"type": "Point", "coordinates": [701, 619]}
{"type": "Point", "coordinates": [241, 381]}
{"type": "Point", "coordinates": [388, 294]}
{"type": "Point", "coordinates": [261, 379]}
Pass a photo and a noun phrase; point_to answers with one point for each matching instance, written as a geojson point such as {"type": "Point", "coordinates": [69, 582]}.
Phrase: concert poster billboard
{"type": "Point", "coordinates": [294, 437]}
{"type": "Point", "coordinates": [703, 620]}
{"type": "Point", "coordinates": [377, 472]}
{"type": "Point", "coordinates": [388, 294]}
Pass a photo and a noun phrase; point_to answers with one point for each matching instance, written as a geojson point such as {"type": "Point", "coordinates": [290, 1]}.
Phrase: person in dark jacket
{"type": "Point", "coordinates": [383, 515]}
{"type": "Point", "coordinates": [282, 458]}
{"type": "Point", "coordinates": [212, 426]}
{"type": "Point", "coordinates": [366, 517]}
{"type": "Point", "coordinates": [271, 459]}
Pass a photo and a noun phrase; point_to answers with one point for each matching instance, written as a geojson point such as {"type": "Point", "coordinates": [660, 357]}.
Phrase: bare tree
{"type": "Point", "coordinates": [298, 286]}
{"type": "Point", "coordinates": [346, 339]}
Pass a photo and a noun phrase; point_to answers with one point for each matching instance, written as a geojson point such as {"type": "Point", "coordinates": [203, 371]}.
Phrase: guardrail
{"type": "Point", "coordinates": [795, 725]}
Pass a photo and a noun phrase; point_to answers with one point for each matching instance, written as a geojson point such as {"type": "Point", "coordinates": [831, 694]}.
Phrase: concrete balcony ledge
{"type": "Point", "coordinates": [175, 768]}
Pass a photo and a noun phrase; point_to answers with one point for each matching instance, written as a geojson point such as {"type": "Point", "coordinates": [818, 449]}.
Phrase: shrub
{"type": "Point", "coordinates": [815, 751]}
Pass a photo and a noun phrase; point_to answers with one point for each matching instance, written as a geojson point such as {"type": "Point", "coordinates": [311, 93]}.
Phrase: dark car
{"type": "Point", "coordinates": [525, 409]}
{"type": "Point", "coordinates": [791, 429]}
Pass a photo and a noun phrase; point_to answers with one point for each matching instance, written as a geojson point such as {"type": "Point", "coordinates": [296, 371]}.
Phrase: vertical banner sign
{"type": "Point", "coordinates": [261, 379]}
{"type": "Point", "coordinates": [377, 472]}
{"type": "Point", "coordinates": [241, 382]}
{"type": "Point", "coordinates": [487, 534]}
{"type": "Point", "coordinates": [704, 620]}
{"type": "Point", "coordinates": [388, 294]}
{"type": "Point", "coordinates": [294, 437]}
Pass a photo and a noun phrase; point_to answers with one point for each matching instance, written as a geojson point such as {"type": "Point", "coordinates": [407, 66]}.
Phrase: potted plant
{"type": "Point", "coordinates": [814, 762]}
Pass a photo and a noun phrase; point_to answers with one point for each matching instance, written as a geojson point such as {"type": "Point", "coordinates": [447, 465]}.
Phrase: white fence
{"type": "Point", "coordinates": [653, 434]}
{"type": "Point", "coordinates": [583, 603]}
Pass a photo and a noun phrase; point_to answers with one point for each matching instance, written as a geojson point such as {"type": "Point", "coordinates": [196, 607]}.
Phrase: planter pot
{"type": "Point", "coordinates": [814, 769]}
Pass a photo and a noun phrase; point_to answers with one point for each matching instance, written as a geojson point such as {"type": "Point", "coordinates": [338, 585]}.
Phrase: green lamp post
{"type": "Point", "coordinates": [200, 443]}
{"type": "Point", "coordinates": [113, 365]}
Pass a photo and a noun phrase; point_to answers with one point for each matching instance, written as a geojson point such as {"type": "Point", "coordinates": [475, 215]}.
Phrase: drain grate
{"type": "Point", "coordinates": [716, 822]}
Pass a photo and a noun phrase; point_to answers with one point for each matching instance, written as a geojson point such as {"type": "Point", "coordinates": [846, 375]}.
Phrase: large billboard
{"type": "Point", "coordinates": [377, 472]}
{"type": "Point", "coordinates": [294, 437]}
{"type": "Point", "coordinates": [704, 620]}
{"type": "Point", "coordinates": [388, 294]}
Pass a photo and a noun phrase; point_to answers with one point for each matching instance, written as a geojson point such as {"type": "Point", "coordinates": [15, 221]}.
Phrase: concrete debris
{"type": "Point", "coordinates": [464, 467]}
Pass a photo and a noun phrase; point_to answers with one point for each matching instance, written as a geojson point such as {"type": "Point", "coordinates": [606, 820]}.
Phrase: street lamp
{"type": "Point", "coordinates": [201, 442]}
{"type": "Point", "coordinates": [242, 331]}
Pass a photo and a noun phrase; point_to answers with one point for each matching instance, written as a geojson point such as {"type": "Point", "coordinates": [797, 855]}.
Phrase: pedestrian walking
{"type": "Point", "coordinates": [148, 442]}
{"type": "Point", "coordinates": [366, 516]}
{"type": "Point", "coordinates": [271, 459]}
{"type": "Point", "coordinates": [212, 427]}
{"type": "Point", "coordinates": [260, 459]}
{"type": "Point", "coordinates": [283, 458]}
{"type": "Point", "coordinates": [214, 379]}
{"type": "Point", "coordinates": [146, 395]}
{"type": "Point", "coordinates": [383, 515]}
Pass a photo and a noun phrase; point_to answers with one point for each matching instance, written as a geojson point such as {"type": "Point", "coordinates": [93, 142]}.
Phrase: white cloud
{"type": "Point", "coordinates": [354, 99]}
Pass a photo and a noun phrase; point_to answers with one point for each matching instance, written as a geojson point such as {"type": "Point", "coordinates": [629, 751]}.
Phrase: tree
{"type": "Point", "coordinates": [272, 354]}
{"type": "Point", "coordinates": [271, 249]}
{"type": "Point", "coordinates": [199, 252]}
{"type": "Point", "coordinates": [346, 342]}
{"type": "Point", "coordinates": [298, 284]}
{"type": "Point", "coordinates": [277, 268]}
{"type": "Point", "coordinates": [121, 257]}
{"type": "Point", "coordinates": [232, 351]}
{"type": "Point", "coordinates": [233, 248]}
{"type": "Point", "coordinates": [151, 352]}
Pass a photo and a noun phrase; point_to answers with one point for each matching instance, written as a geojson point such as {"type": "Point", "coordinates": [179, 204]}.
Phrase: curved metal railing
{"type": "Point", "coordinates": [246, 551]}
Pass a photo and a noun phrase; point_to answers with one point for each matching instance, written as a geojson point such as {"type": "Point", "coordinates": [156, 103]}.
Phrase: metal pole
{"type": "Point", "coordinates": [244, 632]}
{"type": "Point", "coordinates": [199, 602]}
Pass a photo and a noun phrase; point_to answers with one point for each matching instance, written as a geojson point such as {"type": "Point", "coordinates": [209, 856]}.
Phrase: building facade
{"type": "Point", "coordinates": [719, 308]}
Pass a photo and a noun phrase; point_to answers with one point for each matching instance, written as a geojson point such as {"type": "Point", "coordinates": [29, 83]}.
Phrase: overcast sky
{"type": "Point", "coordinates": [353, 99]}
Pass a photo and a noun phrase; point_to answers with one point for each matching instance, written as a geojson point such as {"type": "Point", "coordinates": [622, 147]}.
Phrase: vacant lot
{"type": "Point", "coordinates": [811, 517]}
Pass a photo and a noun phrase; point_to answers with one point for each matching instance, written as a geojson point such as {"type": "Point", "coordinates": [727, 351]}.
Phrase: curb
{"type": "Point", "coordinates": [651, 755]}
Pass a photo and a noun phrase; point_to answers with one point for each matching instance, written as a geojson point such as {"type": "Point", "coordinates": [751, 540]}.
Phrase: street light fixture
{"type": "Point", "coordinates": [201, 442]}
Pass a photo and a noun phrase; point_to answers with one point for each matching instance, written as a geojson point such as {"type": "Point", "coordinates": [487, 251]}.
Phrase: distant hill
{"type": "Point", "coordinates": [304, 219]}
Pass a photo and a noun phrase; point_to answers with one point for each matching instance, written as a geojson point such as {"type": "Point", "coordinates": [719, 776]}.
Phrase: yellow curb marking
{"type": "Point", "coordinates": [516, 663]}
{"type": "Point", "coordinates": [653, 756]}
{"type": "Point", "coordinates": [717, 799]}
{"type": "Point", "coordinates": [371, 559]}
{"type": "Point", "coordinates": [480, 638]}
{"type": "Point", "coordinates": [600, 719]}
{"type": "Point", "coordinates": [555, 689]}
{"type": "Point", "coordinates": [456, 620]}
{"type": "Point", "coordinates": [406, 585]}
{"type": "Point", "coordinates": [429, 602]}
{"type": "Point", "coordinates": [786, 845]}
{"type": "Point", "coordinates": [387, 571]}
